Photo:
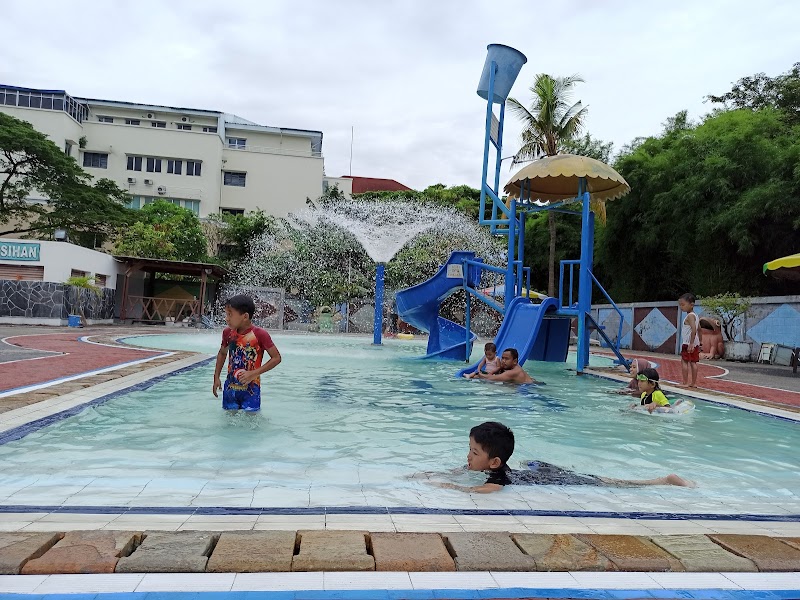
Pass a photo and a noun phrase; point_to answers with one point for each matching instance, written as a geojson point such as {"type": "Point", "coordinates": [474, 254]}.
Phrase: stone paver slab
{"type": "Point", "coordinates": [84, 552]}
{"type": "Point", "coordinates": [562, 552]}
{"type": "Point", "coordinates": [333, 551]}
{"type": "Point", "coordinates": [487, 551]}
{"type": "Point", "coordinates": [769, 554]}
{"type": "Point", "coordinates": [698, 554]}
{"type": "Point", "coordinates": [170, 552]}
{"type": "Point", "coordinates": [18, 548]}
{"type": "Point", "coordinates": [253, 552]}
{"type": "Point", "coordinates": [632, 552]}
{"type": "Point", "coordinates": [794, 542]}
{"type": "Point", "coordinates": [410, 552]}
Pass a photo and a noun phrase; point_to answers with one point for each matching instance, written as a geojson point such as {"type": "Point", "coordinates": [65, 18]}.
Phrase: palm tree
{"type": "Point", "coordinates": [549, 122]}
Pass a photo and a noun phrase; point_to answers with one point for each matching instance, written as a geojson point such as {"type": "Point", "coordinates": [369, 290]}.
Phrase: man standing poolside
{"type": "Point", "coordinates": [510, 371]}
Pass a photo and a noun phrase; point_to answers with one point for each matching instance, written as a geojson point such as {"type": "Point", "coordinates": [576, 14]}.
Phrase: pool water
{"type": "Point", "coordinates": [344, 423]}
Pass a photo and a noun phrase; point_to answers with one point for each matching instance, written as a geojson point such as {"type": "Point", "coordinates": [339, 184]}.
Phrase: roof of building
{"type": "Point", "coordinates": [375, 184]}
{"type": "Point", "coordinates": [228, 117]}
{"type": "Point", "coordinates": [173, 267]}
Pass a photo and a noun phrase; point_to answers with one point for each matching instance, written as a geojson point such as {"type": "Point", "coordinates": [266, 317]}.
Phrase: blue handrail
{"type": "Point", "coordinates": [614, 304]}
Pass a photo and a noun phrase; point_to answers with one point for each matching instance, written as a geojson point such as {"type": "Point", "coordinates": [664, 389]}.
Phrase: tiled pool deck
{"type": "Point", "coordinates": [599, 550]}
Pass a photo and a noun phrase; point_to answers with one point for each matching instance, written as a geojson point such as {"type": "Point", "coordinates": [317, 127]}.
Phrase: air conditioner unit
{"type": "Point", "coordinates": [184, 119]}
{"type": "Point", "coordinates": [131, 180]}
{"type": "Point", "coordinates": [148, 182]}
{"type": "Point", "coordinates": [149, 115]}
{"type": "Point", "coordinates": [162, 189]}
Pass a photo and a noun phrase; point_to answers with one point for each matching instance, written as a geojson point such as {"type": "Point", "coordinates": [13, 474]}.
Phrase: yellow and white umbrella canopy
{"type": "Point", "coordinates": [555, 178]}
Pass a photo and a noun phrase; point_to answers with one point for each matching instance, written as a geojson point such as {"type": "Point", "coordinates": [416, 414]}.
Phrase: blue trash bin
{"type": "Point", "coordinates": [74, 321]}
{"type": "Point", "coordinates": [509, 63]}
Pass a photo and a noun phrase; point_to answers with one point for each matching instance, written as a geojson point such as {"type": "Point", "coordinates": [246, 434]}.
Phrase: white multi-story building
{"type": "Point", "coordinates": [204, 160]}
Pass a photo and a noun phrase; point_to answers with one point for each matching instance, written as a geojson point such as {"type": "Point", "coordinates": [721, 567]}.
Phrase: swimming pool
{"type": "Point", "coordinates": [345, 424]}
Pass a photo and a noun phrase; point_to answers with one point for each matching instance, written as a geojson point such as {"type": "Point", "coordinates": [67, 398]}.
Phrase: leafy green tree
{"type": "Point", "coordinates": [548, 124]}
{"type": "Point", "coordinates": [145, 240]}
{"type": "Point", "coordinates": [761, 91]}
{"type": "Point", "coordinates": [586, 145]}
{"type": "Point", "coordinates": [163, 230]}
{"type": "Point", "coordinates": [709, 204]}
{"type": "Point", "coordinates": [31, 163]}
{"type": "Point", "coordinates": [235, 233]}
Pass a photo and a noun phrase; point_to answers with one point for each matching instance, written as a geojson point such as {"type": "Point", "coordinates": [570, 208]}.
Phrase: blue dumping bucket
{"type": "Point", "coordinates": [74, 320]}
{"type": "Point", "coordinates": [509, 63]}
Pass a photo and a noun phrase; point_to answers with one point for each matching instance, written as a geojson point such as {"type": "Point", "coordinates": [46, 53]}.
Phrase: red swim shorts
{"type": "Point", "coordinates": [693, 356]}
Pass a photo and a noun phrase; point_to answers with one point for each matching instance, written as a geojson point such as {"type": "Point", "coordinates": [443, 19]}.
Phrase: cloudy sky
{"type": "Point", "coordinates": [402, 73]}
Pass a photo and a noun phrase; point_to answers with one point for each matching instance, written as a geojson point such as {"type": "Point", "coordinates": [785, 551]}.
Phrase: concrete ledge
{"type": "Point", "coordinates": [84, 552]}
{"type": "Point", "coordinates": [562, 552]}
{"type": "Point", "coordinates": [333, 551]}
{"type": "Point", "coordinates": [100, 551]}
{"type": "Point", "coordinates": [632, 553]}
{"type": "Point", "coordinates": [170, 552]}
{"type": "Point", "coordinates": [16, 549]}
{"type": "Point", "coordinates": [253, 552]}
{"type": "Point", "coordinates": [699, 554]}
{"type": "Point", "coordinates": [487, 552]}
{"type": "Point", "coordinates": [410, 552]}
{"type": "Point", "coordinates": [769, 554]}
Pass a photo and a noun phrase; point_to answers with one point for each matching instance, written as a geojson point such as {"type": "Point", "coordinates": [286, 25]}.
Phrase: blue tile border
{"type": "Point", "coordinates": [385, 510]}
{"type": "Point", "coordinates": [20, 432]}
{"type": "Point", "coordinates": [428, 594]}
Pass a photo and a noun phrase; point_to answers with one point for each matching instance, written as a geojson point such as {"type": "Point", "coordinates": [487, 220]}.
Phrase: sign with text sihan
{"type": "Point", "coordinates": [19, 251]}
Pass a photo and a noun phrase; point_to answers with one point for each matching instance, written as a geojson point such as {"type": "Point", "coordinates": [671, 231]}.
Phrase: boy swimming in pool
{"type": "Point", "coordinates": [243, 344]}
{"type": "Point", "coordinates": [491, 445]}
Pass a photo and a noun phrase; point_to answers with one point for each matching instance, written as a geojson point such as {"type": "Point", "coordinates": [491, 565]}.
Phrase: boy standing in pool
{"type": "Point", "coordinates": [243, 344]}
{"type": "Point", "coordinates": [491, 445]}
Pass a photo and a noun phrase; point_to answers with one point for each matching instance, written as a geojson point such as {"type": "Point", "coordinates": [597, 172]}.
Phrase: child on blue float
{"type": "Point", "coordinates": [650, 393]}
{"type": "Point", "coordinates": [491, 445]}
{"type": "Point", "coordinates": [243, 344]}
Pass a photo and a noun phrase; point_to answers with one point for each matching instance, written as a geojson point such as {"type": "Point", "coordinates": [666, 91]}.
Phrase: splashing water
{"type": "Point", "coordinates": [383, 228]}
{"type": "Point", "coordinates": [327, 255]}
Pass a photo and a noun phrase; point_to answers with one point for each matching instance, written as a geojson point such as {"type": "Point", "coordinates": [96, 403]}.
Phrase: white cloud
{"type": "Point", "coordinates": [403, 73]}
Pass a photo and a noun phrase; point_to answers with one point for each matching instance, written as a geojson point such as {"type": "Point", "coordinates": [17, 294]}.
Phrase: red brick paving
{"type": "Point", "coordinates": [670, 369]}
{"type": "Point", "coordinates": [77, 357]}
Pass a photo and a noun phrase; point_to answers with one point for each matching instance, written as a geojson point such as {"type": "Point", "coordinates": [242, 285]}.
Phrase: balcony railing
{"type": "Point", "coordinates": [270, 150]}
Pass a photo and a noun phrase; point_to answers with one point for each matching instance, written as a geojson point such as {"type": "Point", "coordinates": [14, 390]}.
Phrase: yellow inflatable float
{"type": "Point", "coordinates": [405, 336]}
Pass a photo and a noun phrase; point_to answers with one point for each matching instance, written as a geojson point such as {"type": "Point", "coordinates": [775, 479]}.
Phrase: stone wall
{"type": "Point", "coordinates": [48, 303]}
{"type": "Point", "coordinates": [655, 326]}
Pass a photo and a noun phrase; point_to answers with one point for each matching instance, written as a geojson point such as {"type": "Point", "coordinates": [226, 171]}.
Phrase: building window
{"type": "Point", "coordinates": [234, 179]}
{"type": "Point", "coordinates": [160, 124]}
{"type": "Point", "coordinates": [238, 143]}
{"type": "Point", "coordinates": [106, 119]}
{"type": "Point", "coordinates": [100, 280]}
{"type": "Point", "coordinates": [184, 127]}
{"type": "Point", "coordinates": [174, 166]}
{"type": "Point", "coordinates": [132, 122]}
{"type": "Point", "coordinates": [153, 165]}
{"type": "Point", "coordinates": [232, 211]}
{"type": "Point", "coordinates": [209, 130]}
{"type": "Point", "coordinates": [140, 201]}
{"type": "Point", "coordinates": [193, 167]}
{"type": "Point", "coordinates": [78, 273]}
{"type": "Point", "coordinates": [96, 160]}
{"type": "Point", "coordinates": [67, 148]}
{"type": "Point", "coordinates": [134, 163]}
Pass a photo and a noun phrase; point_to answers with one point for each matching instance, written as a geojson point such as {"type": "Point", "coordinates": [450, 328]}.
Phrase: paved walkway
{"type": "Point", "coordinates": [713, 376]}
{"type": "Point", "coordinates": [58, 354]}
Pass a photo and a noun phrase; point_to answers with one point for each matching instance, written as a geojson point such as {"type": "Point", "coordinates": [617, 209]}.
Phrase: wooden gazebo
{"type": "Point", "coordinates": [151, 308]}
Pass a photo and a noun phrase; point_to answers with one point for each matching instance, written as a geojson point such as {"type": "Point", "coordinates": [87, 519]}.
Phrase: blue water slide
{"type": "Point", "coordinates": [419, 306]}
{"type": "Point", "coordinates": [535, 330]}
